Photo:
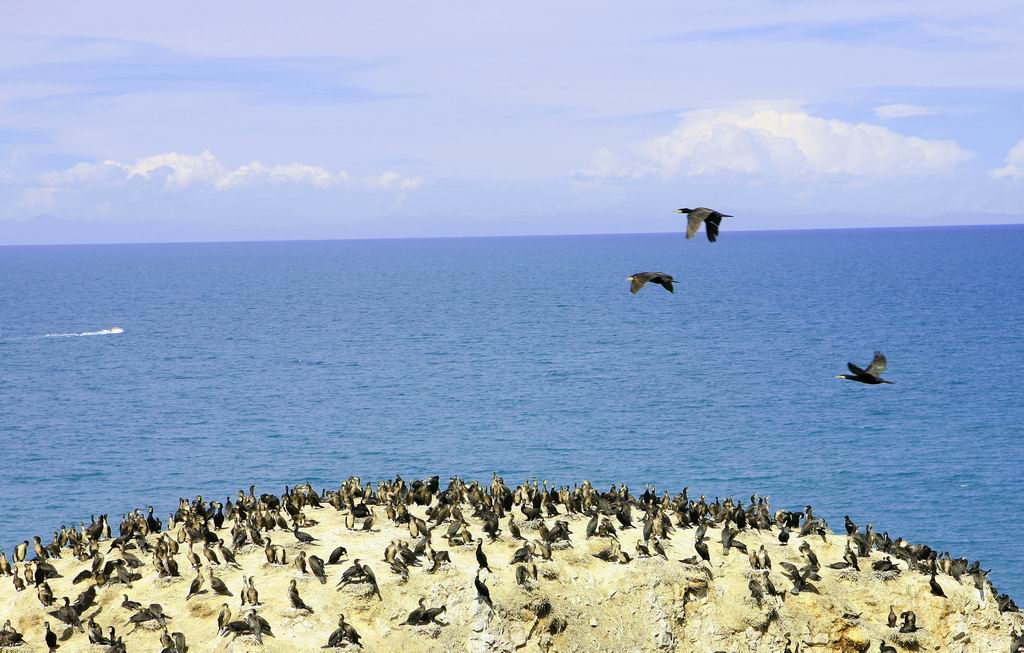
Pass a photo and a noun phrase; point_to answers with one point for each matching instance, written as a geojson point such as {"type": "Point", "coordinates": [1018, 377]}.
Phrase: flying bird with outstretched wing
{"type": "Point", "coordinates": [710, 218]}
{"type": "Point", "coordinates": [640, 279]}
{"type": "Point", "coordinates": [872, 375]}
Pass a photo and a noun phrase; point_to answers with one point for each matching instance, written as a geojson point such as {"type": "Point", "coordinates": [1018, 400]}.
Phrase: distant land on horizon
{"type": "Point", "coordinates": [48, 229]}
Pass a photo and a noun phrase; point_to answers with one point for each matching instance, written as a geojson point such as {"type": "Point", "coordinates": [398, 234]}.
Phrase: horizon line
{"type": "Point", "coordinates": [482, 236]}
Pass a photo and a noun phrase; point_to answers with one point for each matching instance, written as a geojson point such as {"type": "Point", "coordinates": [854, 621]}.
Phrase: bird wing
{"type": "Point", "coordinates": [665, 281]}
{"type": "Point", "coordinates": [693, 223]}
{"type": "Point", "coordinates": [856, 370]}
{"type": "Point", "coordinates": [711, 225]}
{"type": "Point", "coordinates": [878, 364]}
{"type": "Point", "coordinates": [637, 284]}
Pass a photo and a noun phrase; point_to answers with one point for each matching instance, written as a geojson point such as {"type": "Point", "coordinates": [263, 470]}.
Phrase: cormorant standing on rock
{"type": "Point", "coordinates": [51, 638]}
{"type": "Point", "coordinates": [344, 633]}
{"type": "Point", "coordinates": [481, 557]}
{"type": "Point", "coordinates": [784, 535]}
{"type": "Point", "coordinates": [702, 551]}
{"type": "Point", "coordinates": [296, 600]}
{"type": "Point", "coordinates": [416, 615]}
{"type": "Point", "coordinates": [482, 593]}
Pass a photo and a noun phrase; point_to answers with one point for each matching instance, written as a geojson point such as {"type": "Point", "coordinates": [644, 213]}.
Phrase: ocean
{"type": "Point", "coordinates": [277, 363]}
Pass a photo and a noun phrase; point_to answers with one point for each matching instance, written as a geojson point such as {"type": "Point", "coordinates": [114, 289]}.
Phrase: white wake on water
{"type": "Point", "coordinates": [104, 332]}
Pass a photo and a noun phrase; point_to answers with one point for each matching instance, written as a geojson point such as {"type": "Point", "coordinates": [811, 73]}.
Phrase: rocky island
{"type": "Point", "coordinates": [467, 566]}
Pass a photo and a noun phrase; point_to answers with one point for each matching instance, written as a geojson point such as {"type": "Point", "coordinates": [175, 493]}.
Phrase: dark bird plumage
{"type": "Point", "coordinates": [296, 600]}
{"type": "Point", "coordinates": [711, 219]}
{"type": "Point", "coordinates": [481, 557]}
{"type": "Point", "coordinates": [640, 279]}
{"type": "Point", "coordinates": [870, 376]}
{"type": "Point", "coordinates": [482, 593]}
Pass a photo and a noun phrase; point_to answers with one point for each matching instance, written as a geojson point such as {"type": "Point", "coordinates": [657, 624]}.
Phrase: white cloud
{"type": "Point", "coordinates": [893, 111]}
{"type": "Point", "coordinates": [298, 173]}
{"type": "Point", "coordinates": [393, 181]}
{"type": "Point", "coordinates": [1014, 168]}
{"type": "Point", "coordinates": [176, 170]}
{"type": "Point", "coordinates": [179, 171]}
{"type": "Point", "coordinates": [779, 143]}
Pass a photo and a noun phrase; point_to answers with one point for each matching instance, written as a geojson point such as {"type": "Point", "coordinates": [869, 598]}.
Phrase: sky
{"type": "Point", "coordinates": [127, 121]}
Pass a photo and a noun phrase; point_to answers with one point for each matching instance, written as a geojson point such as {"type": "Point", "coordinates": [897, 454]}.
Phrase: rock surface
{"type": "Point", "coordinates": [577, 603]}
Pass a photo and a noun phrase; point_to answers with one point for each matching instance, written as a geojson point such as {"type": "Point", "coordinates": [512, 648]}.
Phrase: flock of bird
{"type": "Point", "coordinates": [249, 520]}
{"type": "Point", "coordinates": [712, 220]}
{"type": "Point", "coordinates": [224, 532]}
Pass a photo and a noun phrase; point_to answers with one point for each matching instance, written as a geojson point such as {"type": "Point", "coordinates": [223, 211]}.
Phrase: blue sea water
{"type": "Point", "coordinates": [272, 363]}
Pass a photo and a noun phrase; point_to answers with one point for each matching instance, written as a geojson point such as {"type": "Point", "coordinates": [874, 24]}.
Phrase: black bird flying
{"type": "Point", "coordinates": [712, 220]}
{"type": "Point", "coordinates": [870, 376]}
{"type": "Point", "coordinates": [638, 280]}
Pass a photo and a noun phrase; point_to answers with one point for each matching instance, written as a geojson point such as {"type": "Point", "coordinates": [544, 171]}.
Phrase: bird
{"type": "Point", "coordinates": [638, 280]}
{"type": "Point", "coordinates": [482, 593]}
{"type": "Point", "coordinates": [481, 557]}
{"type": "Point", "coordinates": [712, 220]}
{"type": "Point", "coordinates": [305, 538]}
{"type": "Point", "coordinates": [851, 528]}
{"type": "Point", "coordinates": [9, 637]}
{"type": "Point", "coordinates": [372, 580]}
{"type": "Point", "coordinates": [870, 376]}
{"type": "Point", "coordinates": [250, 595]}
{"type": "Point", "coordinates": [223, 618]}
{"type": "Point", "coordinates": [756, 592]}
{"type": "Point", "coordinates": [68, 615]}
{"type": "Point", "coordinates": [218, 585]}
{"type": "Point", "coordinates": [128, 604]}
{"type": "Point", "coordinates": [336, 555]}
{"type": "Point", "coordinates": [702, 551]}
{"type": "Point", "coordinates": [296, 600]}
{"type": "Point", "coordinates": [909, 622]}
{"type": "Point", "coordinates": [344, 633]}
{"type": "Point", "coordinates": [316, 565]}
{"type": "Point", "coordinates": [257, 626]}
{"type": "Point", "coordinates": [784, 536]}
{"type": "Point", "coordinates": [416, 616]}
{"type": "Point", "coordinates": [352, 574]}
{"type": "Point", "coordinates": [51, 638]}
{"type": "Point", "coordinates": [197, 584]}
{"type": "Point", "coordinates": [44, 593]}
{"type": "Point", "coordinates": [154, 612]}
{"type": "Point", "coordinates": [431, 615]}
{"type": "Point", "coordinates": [227, 555]}
{"type": "Point", "coordinates": [513, 528]}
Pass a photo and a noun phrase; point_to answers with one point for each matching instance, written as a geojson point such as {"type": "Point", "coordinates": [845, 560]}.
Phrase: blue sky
{"type": "Point", "coordinates": [127, 122]}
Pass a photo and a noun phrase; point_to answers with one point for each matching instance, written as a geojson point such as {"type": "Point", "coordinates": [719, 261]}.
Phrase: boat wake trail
{"type": "Point", "coordinates": [104, 332]}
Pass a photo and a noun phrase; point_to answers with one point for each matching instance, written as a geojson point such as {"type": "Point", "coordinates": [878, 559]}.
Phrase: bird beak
{"type": "Point", "coordinates": [838, 376]}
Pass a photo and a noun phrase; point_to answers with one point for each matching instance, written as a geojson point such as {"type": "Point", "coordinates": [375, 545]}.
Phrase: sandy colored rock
{"type": "Point", "coordinates": [578, 603]}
